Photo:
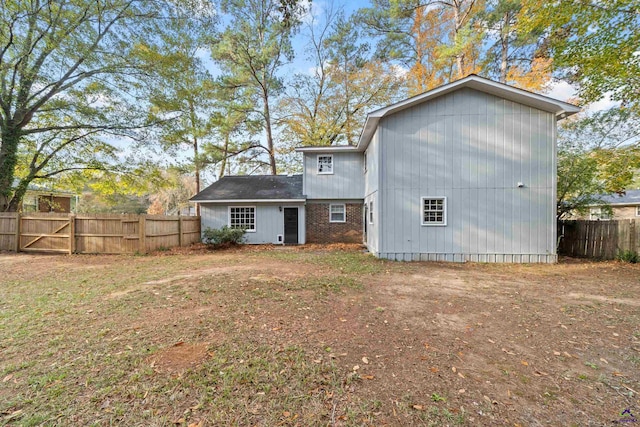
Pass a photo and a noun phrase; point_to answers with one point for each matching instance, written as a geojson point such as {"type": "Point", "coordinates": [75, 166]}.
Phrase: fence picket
{"type": "Point", "coordinates": [598, 239]}
{"type": "Point", "coordinates": [108, 234]}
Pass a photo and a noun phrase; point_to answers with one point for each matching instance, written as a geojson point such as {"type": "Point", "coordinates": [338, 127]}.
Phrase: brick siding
{"type": "Point", "coordinates": [320, 230]}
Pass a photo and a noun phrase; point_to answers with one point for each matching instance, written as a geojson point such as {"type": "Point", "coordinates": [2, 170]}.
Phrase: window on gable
{"type": "Point", "coordinates": [243, 217]}
{"type": "Point", "coordinates": [337, 213]}
{"type": "Point", "coordinates": [597, 214]}
{"type": "Point", "coordinates": [434, 211]}
{"type": "Point", "coordinates": [325, 164]}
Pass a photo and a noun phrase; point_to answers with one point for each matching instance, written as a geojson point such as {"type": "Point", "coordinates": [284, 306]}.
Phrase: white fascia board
{"type": "Point", "coordinates": [243, 201]}
{"type": "Point", "coordinates": [329, 149]}
{"type": "Point", "coordinates": [560, 108]}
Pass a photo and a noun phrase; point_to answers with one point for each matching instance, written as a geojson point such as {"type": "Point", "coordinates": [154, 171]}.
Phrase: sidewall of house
{"type": "Point", "coordinates": [474, 149]}
{"type": "Point", "coordinates": [321, 230]}
{"type": "Point", "coordinates": [269, 220]}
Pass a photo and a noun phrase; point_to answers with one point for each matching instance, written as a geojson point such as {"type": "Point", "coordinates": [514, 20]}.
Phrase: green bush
{"type": "Point", "coordinates": [628, 256]}
{"type": "Point", "coordinates": [224, 235]}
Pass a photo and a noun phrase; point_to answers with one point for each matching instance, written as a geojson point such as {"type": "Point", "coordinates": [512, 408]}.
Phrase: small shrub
{"type": "Point", "coordinates": [628, 256]}
{"type": "Point", "coordinates": [223, 236]}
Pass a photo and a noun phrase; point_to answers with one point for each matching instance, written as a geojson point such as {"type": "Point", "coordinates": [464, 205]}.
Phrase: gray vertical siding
{"type": "Point", "coordinates": [269, 220]}
{"type": "Point", "coordinates": [472, 148]}
{"type": "Point", "coordinates": [346, 182]}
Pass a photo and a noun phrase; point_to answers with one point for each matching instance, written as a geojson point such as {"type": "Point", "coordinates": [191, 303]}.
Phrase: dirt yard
{"type": "Point", "coordinates": [315, 336]}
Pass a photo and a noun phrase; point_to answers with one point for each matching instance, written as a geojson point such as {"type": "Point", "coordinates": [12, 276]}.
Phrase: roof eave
{"type": "Point", "coordinates": [227, 201]}
{"type": "Point", "coordinates": [328, 149]}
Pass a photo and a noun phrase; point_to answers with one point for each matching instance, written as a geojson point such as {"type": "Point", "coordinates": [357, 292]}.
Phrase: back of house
{"type": "Point", "coordinates": [465, 172]}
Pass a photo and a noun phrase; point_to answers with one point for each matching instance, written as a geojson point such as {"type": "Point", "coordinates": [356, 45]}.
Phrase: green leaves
{"type": "Point", "coordinates": [597, 155]}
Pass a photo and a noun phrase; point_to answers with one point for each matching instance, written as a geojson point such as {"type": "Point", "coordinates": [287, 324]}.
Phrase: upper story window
{"type": "Point", "coordinates": [637, 210]}
{"type": "Point", "coordinates": [434, 211]}
{"type": "Point", "coordinates": [365, 162]}
{"type": "Point", "coordinates": [371, 212]}
{"type": "Point", "coordinates": [325, 164]}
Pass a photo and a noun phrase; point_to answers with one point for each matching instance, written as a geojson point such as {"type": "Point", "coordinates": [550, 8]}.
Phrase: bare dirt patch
{"type": "Point", "coordinates": [179, 357]}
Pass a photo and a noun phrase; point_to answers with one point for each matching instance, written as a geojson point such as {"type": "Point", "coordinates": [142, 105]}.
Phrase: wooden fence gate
{"type": "Point", "coordinates": [95, 234]}
{"type": "Point", "coordinates": [52, 235]}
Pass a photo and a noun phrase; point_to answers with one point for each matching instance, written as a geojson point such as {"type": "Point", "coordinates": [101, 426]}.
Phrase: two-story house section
{"type": "Point", "coordinates": [333, 185]}
{"type": "Point", "coordinates": [464, 172]}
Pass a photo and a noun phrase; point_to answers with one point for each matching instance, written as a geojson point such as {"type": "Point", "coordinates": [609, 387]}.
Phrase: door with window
{"type": "Point", "coordinates": [291, 226]}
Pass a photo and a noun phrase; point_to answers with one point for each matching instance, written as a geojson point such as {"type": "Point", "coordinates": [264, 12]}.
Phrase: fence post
{"type": "Point", "coordinates": [72, 233]}
{"type": "Point", "coordinates": [632, 235]}
{"type": "Point", "coordinates": [18, 221]}
{"type": "Point", "coordinates": [142, 234]}
{"type": "Point", "coordinates": [180, 230]}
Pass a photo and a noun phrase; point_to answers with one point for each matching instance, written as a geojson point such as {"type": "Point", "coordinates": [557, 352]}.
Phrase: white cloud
{"type": "Point", "coordinates": [565, 92]}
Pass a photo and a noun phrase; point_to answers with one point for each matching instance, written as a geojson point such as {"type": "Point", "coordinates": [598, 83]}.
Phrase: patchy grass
{"type": "Point", "coordinates": [313, 337]}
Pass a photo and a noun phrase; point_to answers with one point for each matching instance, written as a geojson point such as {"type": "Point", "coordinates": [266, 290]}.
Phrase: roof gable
{"type": "Point", "coordinates": [559, 108]}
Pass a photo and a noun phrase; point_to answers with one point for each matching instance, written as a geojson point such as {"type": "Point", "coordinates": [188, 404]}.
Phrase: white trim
{"type": "Point", "coordinates": [328, 149]}
{"type": "Point", "coordinates": [318, 164]}
{"type": "Point", "coordinates": [255, 217]}
{"type": "Point", "coordinates": [244, 201]}
{"type": "Point", "coordinates": [444, 212]}
{"type": "Point", "coordinates": [344, 212]}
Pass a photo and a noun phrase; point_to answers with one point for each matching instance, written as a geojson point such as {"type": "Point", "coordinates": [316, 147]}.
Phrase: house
{"type": "Point", "coordinates": [626, 206]}
{"type": "Point", "coordinates": [39, 199]}
{"type": "Point", "coordinates": [464, 172]}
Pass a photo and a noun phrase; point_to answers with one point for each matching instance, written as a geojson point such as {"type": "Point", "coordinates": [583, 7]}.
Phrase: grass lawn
{"type": "Point", "coordinates": [315, 336]}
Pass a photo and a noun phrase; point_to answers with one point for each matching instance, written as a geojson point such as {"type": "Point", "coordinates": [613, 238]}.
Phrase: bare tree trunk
{"type": "Point", "coordinates": [267, 126]}
{"type": "Point", "coordinates": [456, 37]}
{"type": "Point", "coordinates": [225, 154]}
{"type": "Point", "coordinates": [9, 140]}
{"type": "Point", "coordinates": [504, 48]}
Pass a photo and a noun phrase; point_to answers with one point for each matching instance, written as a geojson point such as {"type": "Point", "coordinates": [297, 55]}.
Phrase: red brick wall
{"type": "Point", "coordinates": [320, 230]}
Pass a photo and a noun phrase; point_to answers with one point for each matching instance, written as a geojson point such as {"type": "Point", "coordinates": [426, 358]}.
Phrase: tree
{"type": "Point", "coordinates": [329, 105]}
{"type": "Point", "coordinates": [597, 155]}
{"type": "Point", "coordinates": [594, 44]}
{"type": "Point", "coordinates": [173, 195]}
{"type": "Point", "coordinates": [181, 90]}
{"type": "Point", "coordinates": [66, 83]}
{"type": "Point", "coordinates": [514, 57]}
{"type": "Point", "coordinates": [436, 40]}
{"type": "Point", "coordinates": [251, 51]}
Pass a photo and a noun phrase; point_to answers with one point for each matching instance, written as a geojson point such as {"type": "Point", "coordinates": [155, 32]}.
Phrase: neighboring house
{"type": "Point", "coordinates": [38, 199]}
{"type": "Point", "coordinates": [625, 206]}
{"type": "Point", "coordinates": [464, 172]}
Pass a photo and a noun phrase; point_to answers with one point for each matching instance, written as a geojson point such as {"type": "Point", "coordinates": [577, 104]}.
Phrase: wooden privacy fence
{"type": "Point", "coordinates": [598, 239]}
{"type": "Point", "coordinates": [95, 234]}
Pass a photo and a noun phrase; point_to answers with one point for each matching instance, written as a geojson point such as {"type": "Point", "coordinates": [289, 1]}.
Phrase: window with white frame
{"type": "Point", "coordinates": [434, 211]}
{"type": "Point", "coordinates": [371, 212]}
{"type": "Point", "coordinates": [325, 164]}
{"type": "Point", "coordinates": [598, 214]}
{"type": "Point", "coordinates": [637, 210]}
{"type": "Point", "coordinates": [243, 217]}
{"type": "Point", "coordinates": [337, 213]}
{"type": "Point", "coordinates": [365, 162]}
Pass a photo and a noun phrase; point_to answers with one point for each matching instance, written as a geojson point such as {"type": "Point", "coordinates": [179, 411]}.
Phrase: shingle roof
{"type": "Point", "coordinates": [253, 187]}
{"type": "Point", "coordinates": [630, 197]}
